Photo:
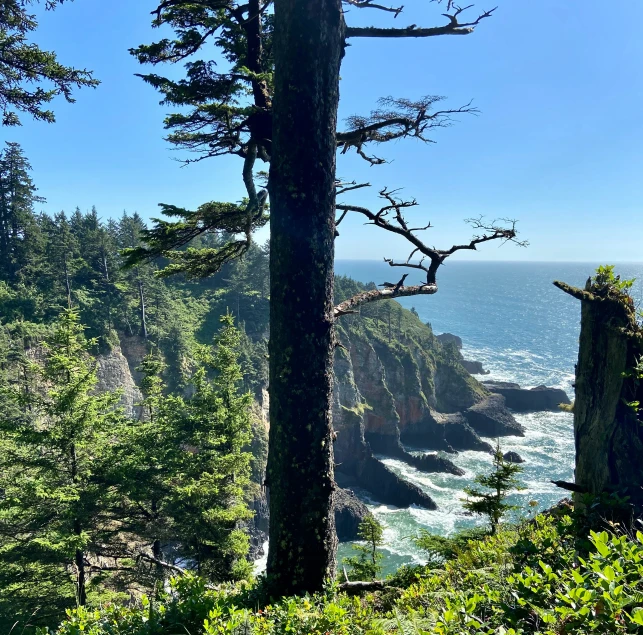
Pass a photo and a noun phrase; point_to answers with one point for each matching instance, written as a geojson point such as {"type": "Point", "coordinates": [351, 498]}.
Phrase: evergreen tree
{"type": "Point", "coordinates": [501, 481]}
{"type": "Point", "coordinates": [23, 65]}
{"type": "Point", "coordinates": [63, 258]}
{"type": "Point", "coordinates": [139, 276]}
{"type": "Point", "coordinates": [209, 498]}
{"type": "Point", "coordinates": [277, 101]}
{"type": "Point", "coordinates": [97, 275]}
{"type": "Point", "coordinates": [19, 242]}
{"type": "Point", "coordinates": [54, 462]}
{"type": "Point", "coordinates": [366, 564]}
{"type": "Point", "coordinates": [187, 468]}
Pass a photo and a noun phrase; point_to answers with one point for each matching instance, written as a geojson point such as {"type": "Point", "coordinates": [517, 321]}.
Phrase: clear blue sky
{"type": "Point", "coordinates": [558, 144]}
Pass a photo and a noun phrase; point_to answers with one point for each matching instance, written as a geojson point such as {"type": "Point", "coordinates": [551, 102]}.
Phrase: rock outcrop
{"type": "Point", "coordinates": [350, 511]}
{"type": "Point", "coordinates": [513, 457]}
{"type": "Point", "coordinates": [387, 487]}
{"type": "Point", "coordinates": [433, 463]}
{"type": "Point", "coordinates": [450, 338]}
{"type": "Point", "coordinates": [490, 418]}
{"type": "Point", "coordinates": [528, 400]}
{"type": "Point", "coordinates": [114, 374]}
{"type": "Point", "coordinates": [474, 368]}
{"type": "Point", "coordinates": [446, 432]}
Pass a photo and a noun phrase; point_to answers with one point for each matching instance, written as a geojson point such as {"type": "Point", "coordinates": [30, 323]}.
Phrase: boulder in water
{"type": "Point", "coordinates": [513, 457]}
{"type": "Point", "coordinates": [491, 418]}
{"type": "Point", "coordinates": [528, 400]}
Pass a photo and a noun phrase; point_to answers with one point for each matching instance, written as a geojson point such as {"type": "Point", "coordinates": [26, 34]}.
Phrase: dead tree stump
{"type": "Point", "coordinates": [608, 425]}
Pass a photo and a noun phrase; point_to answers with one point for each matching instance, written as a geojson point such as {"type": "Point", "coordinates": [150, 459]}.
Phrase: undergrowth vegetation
{"type": "Point", "coordinates": [533, 578]}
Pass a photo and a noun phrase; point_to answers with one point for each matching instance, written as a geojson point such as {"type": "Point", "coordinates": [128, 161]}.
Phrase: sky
{"type": "Point", "coordinates": [558, 144]}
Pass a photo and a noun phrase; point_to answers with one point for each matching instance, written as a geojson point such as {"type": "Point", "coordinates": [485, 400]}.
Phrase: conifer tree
{"type": "Point", "coordinates": [186, 464]}
{"type": "Point", "coordinates": [277, 102]}
{"type": "Point", "coordinates": [30, 78]}
{"type": "Point", "coordinates": [501, 481]}
{"type": "Point", "coordinates": [54, 461]}
{"type": "Point", "coordinates": [366, 564]}
{"type": "Point", "coordinates": [18, 228]}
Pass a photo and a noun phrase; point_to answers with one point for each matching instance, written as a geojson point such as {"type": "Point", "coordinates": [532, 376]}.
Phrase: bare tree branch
{"type": "Point", "coordinates": [349, 306]}
{"type": "Point", "coordinates": [161, 563]}
{"type": "Point", "coordinates": [369, 4]}
{"type": "Point", "coordinates": [391, 218]}
{"type": "Point", "coordinates": [396, 119]}
{"type": "Point", "coordinates": [454, 27]}
{"type": "Point", "coordinates": [342, 188]}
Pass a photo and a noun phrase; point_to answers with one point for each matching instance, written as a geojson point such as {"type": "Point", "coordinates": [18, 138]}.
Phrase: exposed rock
{"type": "Point", "coordinates": [350, 447]}
{"type": "Point", "coordinates": [447, 432]}
{"type": "Point", "coordinates": [528, 400]}
{"type": "Point", "coordinates": [389, 488]}
{"type": "Point", "coordinates": [449, 338]}
{"type": "Point", "coordinates": [134, 348]}
{"type": "Point", "coordinates": [433, 463]}
{"type": "Point", "coordinates": [258, 525]}
{"type": "Point", "coordinates": [474, 368]}
{"type": "Point", "coordinates": [513, 457]}
{"type": "Point", "coordinates": [113, 374]}
{"type": "Point", "coordinates": [491, 418]}
{"type": "Point", "coordinates": [350, 511]}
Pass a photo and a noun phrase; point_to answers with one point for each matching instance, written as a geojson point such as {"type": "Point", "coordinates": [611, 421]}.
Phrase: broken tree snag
{"type": "Point", "coordinates": [608, 430]}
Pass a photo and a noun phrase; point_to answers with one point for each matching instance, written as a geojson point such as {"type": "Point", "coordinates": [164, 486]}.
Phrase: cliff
{"type": "Point", "coordinates": [396, 386]}
{"type": "Point", "coordinates": [402, 386]}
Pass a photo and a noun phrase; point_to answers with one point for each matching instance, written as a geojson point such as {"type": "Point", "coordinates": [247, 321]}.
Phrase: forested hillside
{"type": "Point", "coordinates": [175, 396]}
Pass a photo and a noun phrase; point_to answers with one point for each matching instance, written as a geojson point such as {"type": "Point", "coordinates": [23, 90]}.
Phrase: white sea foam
{"type": "Point", "coordinates": [523, 330]}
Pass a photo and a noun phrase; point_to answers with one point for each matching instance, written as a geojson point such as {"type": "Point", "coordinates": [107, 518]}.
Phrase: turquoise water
{"type": "Point", "coordinates": [511, 317]}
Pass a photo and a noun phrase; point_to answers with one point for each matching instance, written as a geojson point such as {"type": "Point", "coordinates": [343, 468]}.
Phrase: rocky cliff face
{"type": "Point", "coordinates": [114, 374]}
{"type": "Point", "coordinates": [409, 390]}
{"type": "Point", "coordinates": [413, 390]}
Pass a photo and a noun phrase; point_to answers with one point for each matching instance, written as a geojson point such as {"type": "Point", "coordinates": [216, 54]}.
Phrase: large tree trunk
{"type": "Point", "coordinates": [608, 430]}
{"type": "Point", "coordinates": [308, 47]}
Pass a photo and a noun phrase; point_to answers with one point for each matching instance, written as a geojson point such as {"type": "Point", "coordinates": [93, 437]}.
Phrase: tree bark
{"type": "Point", "coordinates": [608, 432]}
{"type": "Point", "coordinates": [308, 47]}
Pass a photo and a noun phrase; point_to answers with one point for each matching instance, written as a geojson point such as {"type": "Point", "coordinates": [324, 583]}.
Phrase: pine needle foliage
{"type": "Point", "coordinates": [492, 501]}
{"type": "Point", "coordinates": [31, 78]}
{"type": "Point", "coordinates": [366, 564]}
{"type": "Point", "coordinates": [55, 439]}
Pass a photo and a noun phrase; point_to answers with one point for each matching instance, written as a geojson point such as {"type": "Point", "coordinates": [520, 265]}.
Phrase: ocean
{"type": "Point", "coordinates": [512, 318]}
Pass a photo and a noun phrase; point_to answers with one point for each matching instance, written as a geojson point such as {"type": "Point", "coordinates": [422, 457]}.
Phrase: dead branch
{"type": "Point", "coordinates": [342, 188]}
{"type": "Point", "coordinates": [161, 563]}
{"type": "Point", "coordinates": [391, 218]}
{"type": "Point", "coordinates": [570, 487]}
{"type": "Point", "coordinates": [454, 27]}
{"type": "Point", "coordinates": [359, 586]}
{"type": "Point", "coordinates": [369, 4]}
{"type": "Point", "coordinates": [348, 306]}
{"type": "Point", "coordinates": [575, 292]}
